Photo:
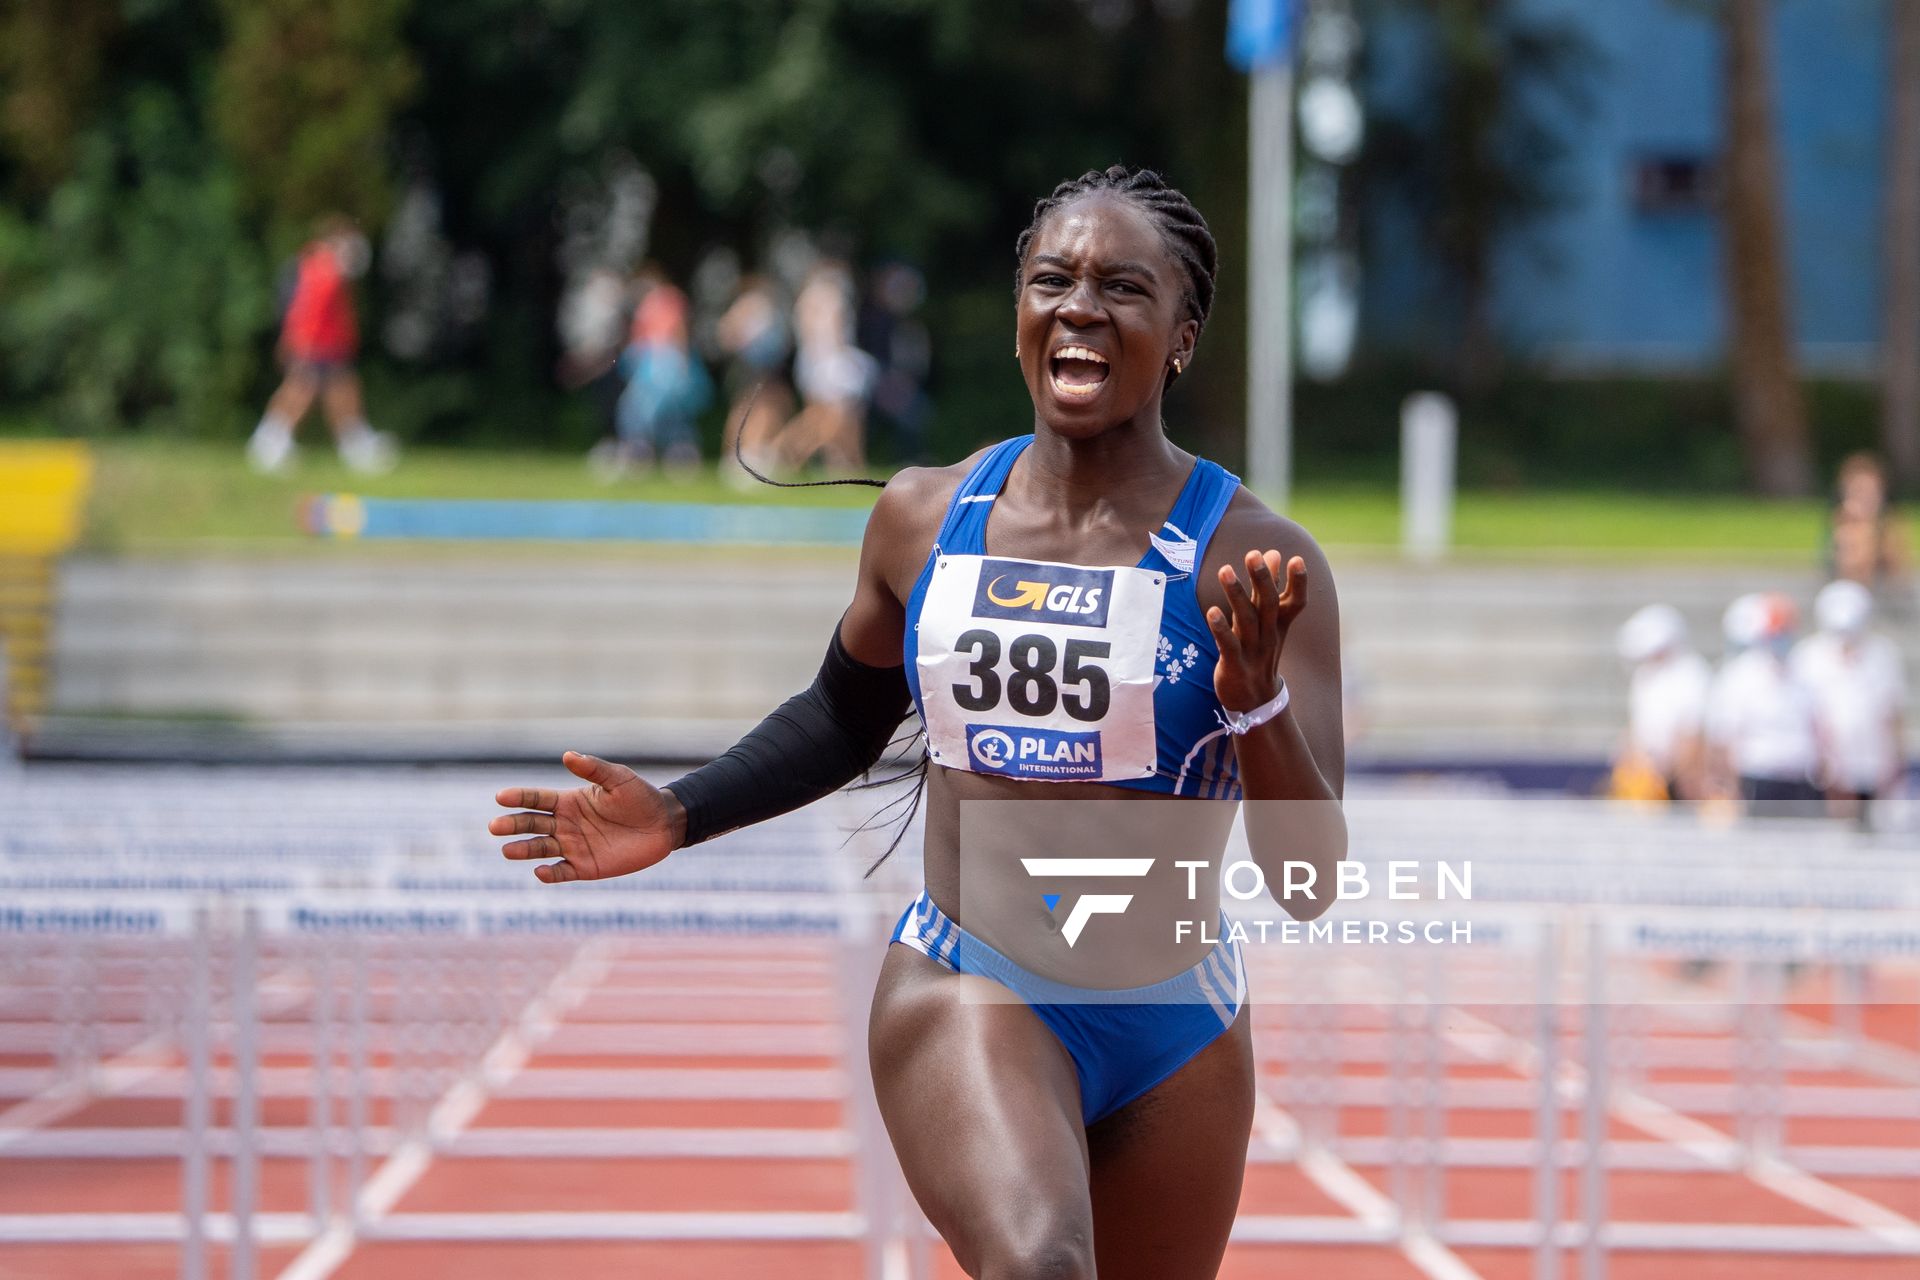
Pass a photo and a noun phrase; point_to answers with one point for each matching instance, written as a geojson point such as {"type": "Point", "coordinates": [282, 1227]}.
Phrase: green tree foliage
{"type": "Point", "coordinates": [140, 294]}
{"type": "Point", "coordinates": [922, 129]}
{"type": "Point", "coordinates": [170, 153]}
{"type": "Point", "coordinates": [304, 98]}
{"type": "Point", "coordinates": [51, 56]}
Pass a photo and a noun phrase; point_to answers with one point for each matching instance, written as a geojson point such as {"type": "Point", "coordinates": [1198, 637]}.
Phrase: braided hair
{"type": "Point", "coordinates": [1182, 229]}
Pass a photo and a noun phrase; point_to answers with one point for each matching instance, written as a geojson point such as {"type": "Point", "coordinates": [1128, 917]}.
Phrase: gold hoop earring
{"type": "Point", "coordinates": [1176, 366]}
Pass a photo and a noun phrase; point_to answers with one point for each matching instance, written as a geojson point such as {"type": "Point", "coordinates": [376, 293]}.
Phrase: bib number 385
{"type": "Point", "coordinates": [1081, 688]}
{"type": "Point", "coordinates": [1039, 671]}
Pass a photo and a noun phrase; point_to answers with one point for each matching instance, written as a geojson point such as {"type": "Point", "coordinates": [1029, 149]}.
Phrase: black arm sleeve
{"type": "Point", "coordinates": [816, 742]}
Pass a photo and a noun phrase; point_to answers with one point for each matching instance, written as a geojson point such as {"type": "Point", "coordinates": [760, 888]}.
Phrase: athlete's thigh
{"type": "Point", "coordinates": [1167, 1168]}
{"type": "Point", "coordinates": [983, 1107]}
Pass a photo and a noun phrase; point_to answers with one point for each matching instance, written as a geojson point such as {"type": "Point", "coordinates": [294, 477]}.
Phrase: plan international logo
{"type": "Point", "coordinates": [1026, 592]}
{"type": "Point", "coordinates": [1014, 752]}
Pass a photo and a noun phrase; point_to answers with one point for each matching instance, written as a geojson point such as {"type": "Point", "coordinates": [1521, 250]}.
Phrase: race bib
{"type": "Point", "coordinates": [1040, 671]}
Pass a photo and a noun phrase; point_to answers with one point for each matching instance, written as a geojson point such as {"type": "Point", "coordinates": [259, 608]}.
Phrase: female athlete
{"type": "Point", "coordinates": [1052, 605]}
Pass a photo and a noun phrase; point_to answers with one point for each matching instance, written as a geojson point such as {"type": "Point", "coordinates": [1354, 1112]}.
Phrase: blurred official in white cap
{"type": "Point", "coordinates": [1860, 696]}
{"type": "Point", "coordinates": [1662, 756]}
{"type": "Point", "coordinates": [1761, 729]}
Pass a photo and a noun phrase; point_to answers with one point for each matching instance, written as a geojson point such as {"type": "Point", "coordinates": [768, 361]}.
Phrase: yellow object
{"type": "Point", "coordinates": [1637, 782]}
{"type": "Point", "coordinates": [43, 490]}
{"type": "Point", "coordinates": [346, 515]}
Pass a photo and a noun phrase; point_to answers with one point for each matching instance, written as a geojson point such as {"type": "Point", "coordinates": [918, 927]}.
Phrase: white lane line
{"type": "Point", "coordinates": [143, 1228]}
{"type": "Point", "coordinates": [1712, 1146]}
{"type": "Point", "coordinates": [709, 1039]}
{"type": "Point", "coordinates": [1871, 1216]}
{"type": "Point", "coordinates": [1354, 1193]}
{"type": "Point", "coordinates": [455, 1110]}
{"type": "Point", "coordinates": [126, 1070]}
{"type": "Point", "coordinates": [733, 1083]}
{"type": "Point", "coordinates": [572, 1225]}
{"type": "Point", "coordinates": [1870, 1054]}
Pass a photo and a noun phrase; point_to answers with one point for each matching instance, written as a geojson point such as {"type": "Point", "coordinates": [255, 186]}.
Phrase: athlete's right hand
{"type": "Point", "coordinates": [615, 826]}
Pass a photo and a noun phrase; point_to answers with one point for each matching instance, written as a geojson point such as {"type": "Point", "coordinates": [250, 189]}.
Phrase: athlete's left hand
{"type": "Point", "coordinates": [1248, 673]}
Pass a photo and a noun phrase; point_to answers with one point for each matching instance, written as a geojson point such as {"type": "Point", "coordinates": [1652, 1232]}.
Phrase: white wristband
{"type": "Point", "coordinates": [1244, 722]}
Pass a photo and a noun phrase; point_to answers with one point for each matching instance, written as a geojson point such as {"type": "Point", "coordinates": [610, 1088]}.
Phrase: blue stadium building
{"type": "Point", "coordinates": [1625, 273]}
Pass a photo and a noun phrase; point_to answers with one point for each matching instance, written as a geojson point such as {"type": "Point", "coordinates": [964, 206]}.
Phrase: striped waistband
{"type": "Point", "coordinates": [1219, 979]}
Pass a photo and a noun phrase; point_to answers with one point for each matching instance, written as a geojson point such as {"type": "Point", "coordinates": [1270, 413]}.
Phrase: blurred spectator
{"type": "Point", "coordinates": [593, 326]}
{"type": "Point", "coordinates": [753, 332]}
{"type": "Point", "coordinates": [1760, 718]}
{"type": "Point", "coordinates": [318, 341]}
{"type": "Point", "coordinates": [834, 377]}
{"type": "Point", "coordinates": [1866, 539]}
{"type": "Point", "coordinates": [1663, 755]}
{"type": "Point", "coordinates": [891, 331]}
{"type": "Point", "coordinates": [1860, 695]}
{"type": "Point", "coordinates": [666, 387]}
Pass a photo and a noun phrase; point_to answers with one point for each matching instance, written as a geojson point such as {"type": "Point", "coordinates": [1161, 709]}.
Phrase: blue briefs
{"type": "Point", "coordinates": [1122, 1042]}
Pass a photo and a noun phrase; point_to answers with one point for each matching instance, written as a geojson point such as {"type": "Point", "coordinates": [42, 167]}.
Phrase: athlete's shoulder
{"type": "Point", "coordinates": [906, 519]}
{"type": "Point", "coordinates": [917, 496]}
{"type": "Point", "coordinates": [1251, 525]}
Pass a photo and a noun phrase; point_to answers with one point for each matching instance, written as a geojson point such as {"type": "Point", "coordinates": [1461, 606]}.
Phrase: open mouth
{"type": "Point", "coordinates": [1078, 372]}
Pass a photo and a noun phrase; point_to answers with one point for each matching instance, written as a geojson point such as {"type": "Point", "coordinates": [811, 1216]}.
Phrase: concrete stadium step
{"type": "Point", "coordinates": [646, 650]}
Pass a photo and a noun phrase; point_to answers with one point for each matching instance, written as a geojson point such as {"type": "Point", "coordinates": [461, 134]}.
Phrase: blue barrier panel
{"type": "Point", "coordinates": [346, 515]}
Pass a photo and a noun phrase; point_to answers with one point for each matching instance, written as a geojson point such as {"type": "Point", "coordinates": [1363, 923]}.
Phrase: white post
{"type": "Point", "coordinates": [320, 1170]}
{"type": "Point", "coordinates": [242, 1258]}
{"type": "Point", "coordinates": [197, 1031]}
{"type": "Point", "coordinates": [1593, 1177]}
{"type": "Point", "coordinates": [1270, 283]}
{"type": "Point", "coordinates": [1546, 1167]}
{"type": "Point", "coordinates": [1429, 428]}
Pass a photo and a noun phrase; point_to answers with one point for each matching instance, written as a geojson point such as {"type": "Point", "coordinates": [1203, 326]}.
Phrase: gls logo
{"type": "Point", "coordinates": [1029, 592]}
{"type": "Point", "coordinates": [1087, 905]}
{"type": "Point", "coordinates": [1037, 596]}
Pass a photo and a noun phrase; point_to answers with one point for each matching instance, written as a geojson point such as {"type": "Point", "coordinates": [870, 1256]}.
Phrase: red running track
{"type": "Point", "coordinates": [668, 1070]}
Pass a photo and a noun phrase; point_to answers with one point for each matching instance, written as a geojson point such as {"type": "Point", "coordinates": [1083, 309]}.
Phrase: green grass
{"type": "Point", "coordinates": [160, 495]}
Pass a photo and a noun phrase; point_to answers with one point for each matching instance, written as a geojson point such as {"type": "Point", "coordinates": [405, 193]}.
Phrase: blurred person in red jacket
{"type": "Point", "coordinates": [318, 341]}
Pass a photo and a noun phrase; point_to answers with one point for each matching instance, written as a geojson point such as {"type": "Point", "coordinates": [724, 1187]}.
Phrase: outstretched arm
{"type": "Point", "coordinates": [815, 743]}
{"type": "Point", "coordinates": [833, 732]}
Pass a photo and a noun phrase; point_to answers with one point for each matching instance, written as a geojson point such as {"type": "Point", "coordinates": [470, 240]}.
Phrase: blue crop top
{"type": "Point", "coordinates": [1045, 696]}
